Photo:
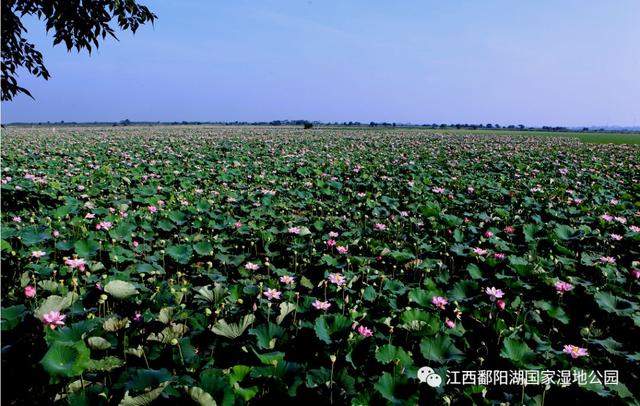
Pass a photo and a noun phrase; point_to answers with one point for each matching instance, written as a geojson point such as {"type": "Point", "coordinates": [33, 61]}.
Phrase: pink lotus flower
{"type": "Point", "coordinates": [439, 302]}
{"type": "Point", "coordinates": [499, 256]}
{"type": "Point", "coordinates": [621, 220]}
{"type": "Point", "coordinates": [494, 293]}
{"type": "Point", "coordinates": [488, 234]}
{"type": "Point", "coordinates": [30, 291]}
{"type": "Point", "coordinates": [480, 251]}
{"type": "Point", "coordinates": [337, 279]}
{"type": "Point", "coordinates": [509, 230]}
{"type": "Point", "coordinates": [635, 229]}
{"type": "Point", "coordinates": [251, 266]}
{"type": "Point", "coordinates": [237, 224]}
{"type": "Point", "coordinates": [272, 294]}
{"type": "Point", "coordinates": [38, 254]}
{"type": "Point", "coordinates": [365, 331]}
{"type": "Point", "coordinates": [53, 319]}
{"type": "Point", "coordinates": [287, 280]}
{"type": "Point", "coordinates": [575, 352]}
{"type": "Point", "coordinates": [616, 237]}
{"type": "Point", "coordinates": [501, 304]}
{"type": "Point", "coordinates": [76, 263]}
{"type": "Point", "coordinates": [56, 233]}
{"type": "Point", "coordinates": [321, 305]}
{"type": "Point", "coordinates": [342, 250]}
{"type": "Point", "coordinates": [135, 244]}
{"type": "Point", "coordinates": [449, 323]}
{"type": "Point", "coordinates": [563, 171]}
{"type": "Point", "coordinates": [152, 209]}
{"type": "Point", "coordinates": [331, 243]}
{"type": "Point", "coordinates": [294, 230]}
{"type": "Point", "coordinates": [635, 273]}
{"type": "Point", "coordinates": [17, 219]}
{"type": "Point", "coordinates": [379, 227]}
{"type": "Point", "coordinates": [438, 190]}
{"type": "Point", "coordinates": [104, 225]}
{"type": "Point", "coordinates": [606, 217]}
{"type": "Point", "coordinates": [607, 260]}
{"type": "Point", "coordinates": [89, 216]}
{"type": "Point", "coordinates": [333, 234]}
{"type": "Point", "coordinates": [562, 287]}
{"type": "Point", "coordinates": [137, 316]}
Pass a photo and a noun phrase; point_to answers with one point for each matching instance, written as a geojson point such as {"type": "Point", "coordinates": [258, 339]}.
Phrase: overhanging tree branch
{"type": "Point", "coordinates": [79, 24]}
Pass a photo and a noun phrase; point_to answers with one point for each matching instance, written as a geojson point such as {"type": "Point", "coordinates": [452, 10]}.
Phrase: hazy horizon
{"type": "Point", "coordinates": [572, 64]}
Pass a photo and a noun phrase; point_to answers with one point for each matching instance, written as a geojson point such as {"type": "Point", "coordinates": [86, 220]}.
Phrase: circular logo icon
{"type": "Point", "coordinates": [428, 375]}
{"type": "Point", "coordinates": [434, 380]}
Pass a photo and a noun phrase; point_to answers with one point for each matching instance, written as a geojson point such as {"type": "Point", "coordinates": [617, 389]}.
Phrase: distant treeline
{"type": "Point", "coordinates": [310, 124]}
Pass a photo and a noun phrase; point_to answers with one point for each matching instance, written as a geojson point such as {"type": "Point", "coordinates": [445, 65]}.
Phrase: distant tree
{"type": "Point", "coordinates": [307, 125]}
{"type": "Point", "coordinates": [80, 24]}
{"type": "Point", "coordinates": [125, 122]}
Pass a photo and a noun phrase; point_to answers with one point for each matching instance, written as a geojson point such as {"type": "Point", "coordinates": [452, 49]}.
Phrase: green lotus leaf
{"type": "Point", "coordinates": [120, 289]}
{"type": "Point", "coordinates": [233, 330]}
{"type": "Point", "coordinates": [180, 253]}
{"type": "Point", "coordinates": [66, 359]}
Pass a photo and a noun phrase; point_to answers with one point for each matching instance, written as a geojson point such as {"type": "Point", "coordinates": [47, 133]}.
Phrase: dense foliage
{"type": "Point", "coordinates": [237, 265]}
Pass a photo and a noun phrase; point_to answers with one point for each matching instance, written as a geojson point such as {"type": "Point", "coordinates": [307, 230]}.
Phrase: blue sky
{"type": "Point", "coordinates": [544, 62]}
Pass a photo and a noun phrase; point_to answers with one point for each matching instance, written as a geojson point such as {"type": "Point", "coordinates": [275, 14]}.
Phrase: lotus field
{"type": "Point", "coordinates": [240, 265]}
